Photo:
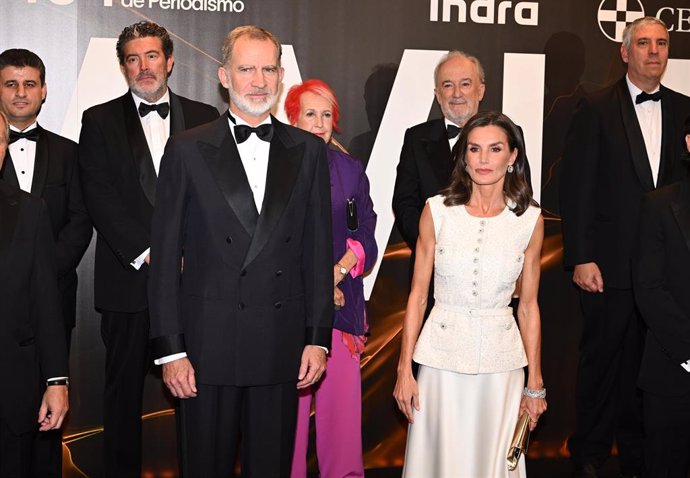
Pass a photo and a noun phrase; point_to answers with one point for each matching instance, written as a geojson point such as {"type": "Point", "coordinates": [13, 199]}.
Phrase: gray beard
{"type": "Point", "coordinates": [249, 108]}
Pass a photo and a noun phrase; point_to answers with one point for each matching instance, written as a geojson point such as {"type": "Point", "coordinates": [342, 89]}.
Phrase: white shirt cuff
{"type": "Point", "coordinates": [136, 263]}
{"type": "Point", "coordinates": [686, 365]}
{"type": "Point", "coordinates": [57, 378]}
{"type": "Point", "coordinates": [170, 358]}
{"type": "Point", "coordinates": [322, 347]}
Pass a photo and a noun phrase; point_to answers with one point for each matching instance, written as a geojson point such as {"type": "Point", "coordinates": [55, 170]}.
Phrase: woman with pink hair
{"type": "Point", "coordinates": [312, 106]}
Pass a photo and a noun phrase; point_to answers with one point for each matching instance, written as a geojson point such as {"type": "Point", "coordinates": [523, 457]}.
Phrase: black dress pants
{"type": "Point", "coordinates": [667, 436]}
{"type": "Point", "coordinates": [15, 453]}
{"type": "Point", "coordinates": [262, 419]}
{"type": "Point", "coordinates": [126, 339]}
{"type": "Point", "coordinates": [608, 404]}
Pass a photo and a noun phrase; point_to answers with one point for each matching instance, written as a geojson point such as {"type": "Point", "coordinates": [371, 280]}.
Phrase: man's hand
{"type": "Point", "coordinates": [312, 367]}
{"type": "Point", "coordinates": [588, 277]}
{"type": "Point", "coordinates": [178, 375]}
{"type": "Point", "coordinates": [53, 408]}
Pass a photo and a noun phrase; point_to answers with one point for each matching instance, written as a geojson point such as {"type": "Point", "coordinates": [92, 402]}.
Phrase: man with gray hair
{"type": "Point", "coordinates": [426, 161]}
{"type": "Point", "coordinates": [246, 201]}
{"type": "Point", "coordinates": [623, 141]}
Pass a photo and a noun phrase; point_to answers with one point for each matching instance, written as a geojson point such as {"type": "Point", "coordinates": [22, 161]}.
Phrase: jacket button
{"type": "Point", "coordinates": [287, 239]}
{"type": "Point", "coordinates": [240, 306]}
{"type": "Point", "coordinates": [228, 240]}
{"type": "Point", "coordinates": [243, 273]}
{"type": "Point", "coordinates": [279, 273]}
{"type": "Point", "coordinates": [278, 305]}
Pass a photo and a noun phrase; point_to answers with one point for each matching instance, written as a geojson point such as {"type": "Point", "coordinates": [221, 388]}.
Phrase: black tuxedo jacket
{"type": "Point", "coordinates": [255, 287]}
{"type": "Point", "coordinates": [426, 164]}
{"type": "Point", "coordinates": [119, 183]}
{"type": "Point", "coordinates": [605, 174]}
{"type": "Point", "coordinates": [56, 181]}
{"type": "Point", "coordinates": [424, 169]}
{"type": "Point", "coordinates": [662, 283]}
{"type": "Point", "coordinates": [32, 337]}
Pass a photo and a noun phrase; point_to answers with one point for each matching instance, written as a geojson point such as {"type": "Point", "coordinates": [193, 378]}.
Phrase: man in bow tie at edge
{"type": "Point", "coordinates": [246, 201]}
{"type": "Point", "coordinates": [44, 164]}
{"type": "Point", "coordinates": [623, 141]}
{"type": "Point", "coordinates": [426, 159]}
{"type": "Point", "coordinates": [120, 150]}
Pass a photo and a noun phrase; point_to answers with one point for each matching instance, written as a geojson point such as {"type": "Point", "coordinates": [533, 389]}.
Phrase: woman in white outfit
{"type": "Point", "coordinates": [479, 237]}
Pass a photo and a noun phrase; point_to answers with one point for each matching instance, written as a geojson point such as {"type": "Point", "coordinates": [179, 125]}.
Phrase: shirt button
{"type": "Point", "coordinates": [475, 260]}
{"type": "Point", "coordinates": [475, 272]}
{"type": "Point", "coordinates": [474, 293]}
{"type": "Point", "coordinates": [278, 305]}
{"type": "Point", "coordinates": [240, 306]}
{"type": "Point", "coordinates": [474, 283]}
{"type": "Point", "coordinates": [228, 240]}
{"type": "Point", "coordinates": [481, 231]}
{"type": "Point", "coordinates": [479, 240]}
{"type": "Point", "coordinates": [279, 273]}
{"type": "Point", "coordinates": [482, 222]}
{"type": "Point", "coordinates": [476, 249]}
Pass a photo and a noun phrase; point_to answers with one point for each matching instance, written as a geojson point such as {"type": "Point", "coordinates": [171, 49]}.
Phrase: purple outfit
{"type": "Point", "coordinates": [338, 397]}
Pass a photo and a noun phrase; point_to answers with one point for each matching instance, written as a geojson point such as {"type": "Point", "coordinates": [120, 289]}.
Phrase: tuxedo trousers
{"type": "Point", "coordinates": [608, 404]}
{"type": "Point", "coordinates": [261, 419]}
{"type": "Point", "coordinates": [15, 452]}
{"type": "Point", "coordinates": [126, 339]}
{"type": "Point", "coordinates": [667, 436]}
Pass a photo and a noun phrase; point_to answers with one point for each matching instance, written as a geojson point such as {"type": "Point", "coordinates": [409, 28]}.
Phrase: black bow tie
{"type": "Point", "coordinates": [452, 131]}
{"type": "Point", "coordinates": [162, 108]}
{"type": "Point", "coordinates": [644, 96]}
{"type": "Point", "coordinates": [31, 135]}
{"type": "Point", "coordinates": [263, 131]}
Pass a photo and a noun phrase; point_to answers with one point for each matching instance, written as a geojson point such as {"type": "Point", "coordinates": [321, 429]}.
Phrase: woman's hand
{"type": "Point", "coordinates": [535, 407]}
{"type": "Point", "coordinates": [338, 298]}
{"type": "Point", "coordinates": [406, 394]}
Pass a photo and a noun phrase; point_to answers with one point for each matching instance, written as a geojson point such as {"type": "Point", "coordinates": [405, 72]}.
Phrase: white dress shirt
{"type": "Point", "coordinates": [649, 117]}
{"type": "Point", "coordinates": [23, 153]}
{"type": "Point", "coordinates": [254, 156]}
{"type": "Point", "coordinates": [157, 132]}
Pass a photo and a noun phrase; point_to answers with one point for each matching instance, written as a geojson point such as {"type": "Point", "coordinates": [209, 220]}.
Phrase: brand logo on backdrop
{"type": "Point", "coordinates": [485, 11]}
{"type": "Point", "coordinates": [614, 15]}
{"type": "Point", "coordinates": [229, 6]}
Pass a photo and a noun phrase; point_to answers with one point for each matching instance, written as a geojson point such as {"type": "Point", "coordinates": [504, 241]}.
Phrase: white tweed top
{"type": "Point", "coordinates": [471, 328]}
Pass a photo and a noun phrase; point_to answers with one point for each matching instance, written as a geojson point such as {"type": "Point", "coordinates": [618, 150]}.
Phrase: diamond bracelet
{"type": "Point", "coordinates": [534, 392]}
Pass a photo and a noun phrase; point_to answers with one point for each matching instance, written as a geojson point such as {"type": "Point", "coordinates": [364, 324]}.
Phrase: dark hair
{"type": "Point", "coordinates": [20, 58]}
{"type": "Point", "coordinates": [515, 187]}
{"type": "Point", "coordinates": [140, 30]}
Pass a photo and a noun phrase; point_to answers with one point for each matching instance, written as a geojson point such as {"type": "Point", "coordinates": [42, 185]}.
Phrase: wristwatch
{"type": "Point", "coordinates": [341, 269]}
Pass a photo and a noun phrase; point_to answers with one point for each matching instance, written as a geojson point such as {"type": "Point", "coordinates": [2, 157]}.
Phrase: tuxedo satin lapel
{"type": "Point", "coordinates": [139, 148]}
{"type": "Point", "coordinates": [40, 163]}
{"type": "Point", "coordinates": [224, 162]}
{"type": "Point", "coordinates": [681, 209]}
{"type": "Point", "coordinates": [668, 161]}
{"type": "Point", "coordinates": [638, 151]}
{"type": "Point", "coordinates": [284, 160]}
{"type": "Point", "coordinates": [177, 123]}
{"type": "Point", "coordinates": [9, 211]}
{"type": "Point", "coordinates": [8, 173]}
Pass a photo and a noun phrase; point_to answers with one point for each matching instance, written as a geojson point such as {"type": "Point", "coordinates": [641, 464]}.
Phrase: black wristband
{"type": "Point", "coordinates": [59, 381]}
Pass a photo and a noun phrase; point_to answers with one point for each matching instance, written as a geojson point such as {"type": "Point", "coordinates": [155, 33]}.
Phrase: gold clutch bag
{"type": "Point", "coordinates": [518, 445]}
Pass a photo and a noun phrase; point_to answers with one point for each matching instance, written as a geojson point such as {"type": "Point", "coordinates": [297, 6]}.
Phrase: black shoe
{"type": "Point", "coordinates": [585, 471]}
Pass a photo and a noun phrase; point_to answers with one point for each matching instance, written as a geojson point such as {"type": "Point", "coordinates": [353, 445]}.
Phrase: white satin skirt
{"type": "Point", "coordinates": [465, 425]}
